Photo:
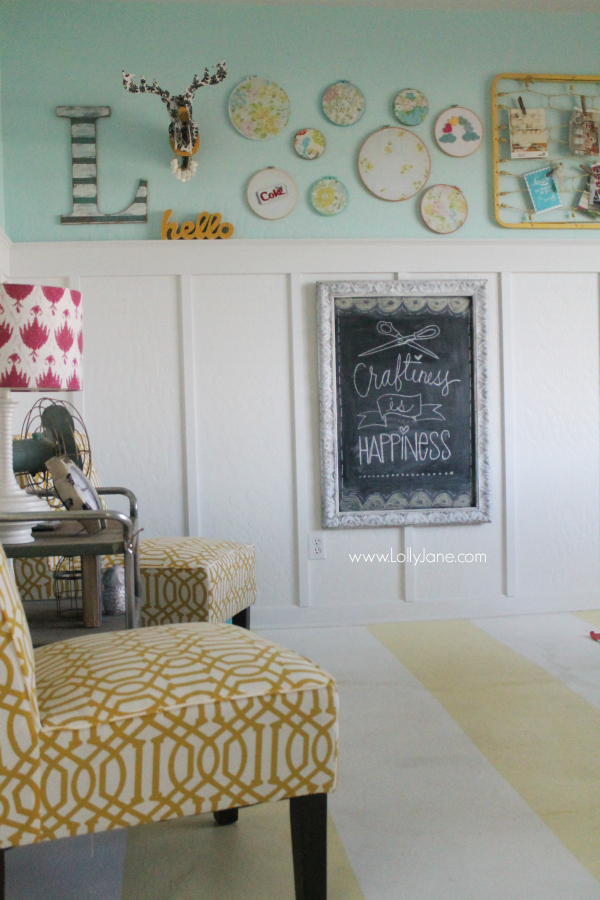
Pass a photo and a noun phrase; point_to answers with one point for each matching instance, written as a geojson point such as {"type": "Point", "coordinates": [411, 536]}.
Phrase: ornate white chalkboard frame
{"type": "Point", "coordinates": [333, 516]}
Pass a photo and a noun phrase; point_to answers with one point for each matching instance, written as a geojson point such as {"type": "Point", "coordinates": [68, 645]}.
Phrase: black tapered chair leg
{"type": "Point", "coordinates": [308, 819]}
{"type": "Point", "coordinates": [242, 619]}
{"type": "Point", "coordinates": [2, 874]}
{"type": "Point", "coordinates": [224, 817]}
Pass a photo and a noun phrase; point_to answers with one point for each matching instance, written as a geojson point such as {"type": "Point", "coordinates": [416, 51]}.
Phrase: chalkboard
{"type": "Point", "coordinates": [403, 413]}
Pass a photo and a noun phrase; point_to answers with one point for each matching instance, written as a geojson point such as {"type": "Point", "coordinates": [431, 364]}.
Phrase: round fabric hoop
{"type": "Point", "coordinates": [272, 194]}
{"type": "Point", "coordinates": [444, 208]}
{"type": "Point", "coordinates": [309, 143]}
{"type": "Point", "coordinates": [458, 131]}
{"type": "Point", "coordinates": [343, 103]}
{"type": "Point", "coordinates": [259, 108]}
{"type": "Point", "coordinates": [394, 164]}
{"type": "Point", "coordinates": [328, 196]}
{"type": "Point", "coordinates": [411, 107]}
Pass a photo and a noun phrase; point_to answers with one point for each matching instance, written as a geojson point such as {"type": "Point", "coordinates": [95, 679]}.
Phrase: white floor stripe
{"type": "Point", "coordinates": [558, 642]}
{"type": "Point", "coordinates": [422, 814]}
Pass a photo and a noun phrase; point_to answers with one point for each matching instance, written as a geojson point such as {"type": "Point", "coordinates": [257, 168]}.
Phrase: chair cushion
{"type": "Point", "coordinates": [177, 720]}
{"type": "Point", "coordinates": [102, 678]}
{"type": "Point", "coordinates": [195, 579]}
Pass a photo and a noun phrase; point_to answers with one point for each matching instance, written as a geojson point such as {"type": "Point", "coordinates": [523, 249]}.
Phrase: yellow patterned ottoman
{"type": "Point", "coordinates": [195, 580]}
{"type": "Point", "coordinates": [181, 579]}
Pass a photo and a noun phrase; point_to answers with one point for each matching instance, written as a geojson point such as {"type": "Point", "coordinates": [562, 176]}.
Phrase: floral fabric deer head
{"type": "Point", "coordinates": [183, 131]}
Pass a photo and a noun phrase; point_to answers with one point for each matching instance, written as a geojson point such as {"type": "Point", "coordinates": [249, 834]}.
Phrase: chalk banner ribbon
{"type": "Point", "coordinates": [403, 406]}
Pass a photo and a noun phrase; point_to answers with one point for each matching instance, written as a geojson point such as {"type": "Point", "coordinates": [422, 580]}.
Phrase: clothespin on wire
{"type": "Point", "coordinates": [583, 108]}
{"type": "Point", "coordinates": [522, 105]}
{"type": "Point", "coordinates": [558, 171]}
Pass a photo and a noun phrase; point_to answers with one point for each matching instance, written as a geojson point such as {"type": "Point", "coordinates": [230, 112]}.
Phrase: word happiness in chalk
{"type": "Point", "coordinates": [382, 448]}
{"type": "Point", "coordinates": [207, 227]}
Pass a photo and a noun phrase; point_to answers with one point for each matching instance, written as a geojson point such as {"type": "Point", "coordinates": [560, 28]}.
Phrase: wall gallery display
{"type": "Point", "coordinates": [403, 403]}
{"type": "Point", "coordinates": [328, 196]}
{"type": "Point", "coordinates": [343, 103]}
{"type": "Point", "coordinates": [444, 208]}
{"type": "Point", "coordinates": [309, 143]}
{"type": "Point", "coordinates": [411, 107]}
{"type": "Point", "coordinates": [458, 131]}
{"type": "Point", "coordinates": [394, 164]}
{"type": "Point", "coordinates": [259, 108]}
{"type": "Point", "coordinates": [272, 194]}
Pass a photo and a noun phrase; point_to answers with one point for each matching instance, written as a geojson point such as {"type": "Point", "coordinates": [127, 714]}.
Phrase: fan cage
{"type": "Point", "coordinates": [68, 591]}
{"type": "Point", "coordinates": [33, 425]}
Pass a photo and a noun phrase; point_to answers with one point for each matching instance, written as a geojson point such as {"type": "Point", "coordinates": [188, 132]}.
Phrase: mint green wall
{"type": "Point", "coordinates": [72, 53]}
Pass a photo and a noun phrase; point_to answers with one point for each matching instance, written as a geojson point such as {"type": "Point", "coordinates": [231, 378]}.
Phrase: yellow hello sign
{"type": "Point", "coordinates": [207, 227]}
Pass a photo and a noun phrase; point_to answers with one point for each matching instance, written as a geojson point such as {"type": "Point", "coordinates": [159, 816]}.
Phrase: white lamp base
{"type": "Point", "coordinates": [13, 499]}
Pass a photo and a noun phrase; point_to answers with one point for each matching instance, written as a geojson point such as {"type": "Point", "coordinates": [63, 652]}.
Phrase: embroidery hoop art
{"type": "Point", "coordinates": [243, 114]}
{"type": "Point", "coordinates": [266, 181]}
{"type": "Point", "coordinates": [309, 143]}
{"type": "Point", "coordinates": [445, 193]}
{"type": "Point", "coordinates": [337, 203]}
{"type": "Point", "coordinates": [378, 171]}
{"type": "Point", "coordinates": [461, 146]}
{"type": "Point", "coordinates": [417, 111]}
{"type": "Point", "coordinates": [351, 97]}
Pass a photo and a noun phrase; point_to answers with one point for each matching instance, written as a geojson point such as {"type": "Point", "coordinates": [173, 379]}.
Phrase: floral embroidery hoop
{"type": "Point", "coordinates": [343, 103]}
{"type": "Point", "coordinates": [328, 196]}
{"type": "Point", "coordinates": [411, 107]}
{"type": "Point", "coordinates": [309, 143]}
{"type": "Point", "coordinates": [259, 108]}
{"type": "Point", "coordinates": [271, 193]}
{"type": "Point", "coordinates": [444, 208]}
{"type": "Point", "coordinates": [394, 164]}
{"type": "Point", "coordinates": [458, 131]}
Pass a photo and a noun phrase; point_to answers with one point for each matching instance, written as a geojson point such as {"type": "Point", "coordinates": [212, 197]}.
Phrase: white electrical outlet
{"type": "Point", "coordinates": [316, 545]}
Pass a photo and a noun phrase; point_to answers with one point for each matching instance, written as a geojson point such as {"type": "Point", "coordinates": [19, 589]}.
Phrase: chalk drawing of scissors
{"type": "Point", "coordinates": [425, 334]}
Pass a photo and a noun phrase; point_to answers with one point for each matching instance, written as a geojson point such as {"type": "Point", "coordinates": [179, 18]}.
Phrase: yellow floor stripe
{"type": "Point", "coordinates": [591, 616]}
{"type": "Point", "coordinates": [542, 737]}
{"type": "Point", "coordinates": [192, 859]}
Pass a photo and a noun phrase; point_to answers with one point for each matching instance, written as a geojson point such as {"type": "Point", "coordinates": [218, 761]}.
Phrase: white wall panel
{"type": "Point", "coordinates": [244, 437]}
{"type": "Point", "coordinates": [555, 336]}
{"type": "Point", "coordinates": [132, 392]}
{"type": "Point", "coordinates": [251, 369]}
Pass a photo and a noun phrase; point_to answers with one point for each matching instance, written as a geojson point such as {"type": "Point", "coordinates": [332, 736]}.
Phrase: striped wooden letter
{"type": "Point", "coordinates": [85, 174]}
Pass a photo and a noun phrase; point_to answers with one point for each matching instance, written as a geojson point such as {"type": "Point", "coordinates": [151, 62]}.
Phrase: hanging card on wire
{"type": "Point", "coordinates": [542, 189]}
{"type": "Point", "coordinates": [583, 132]}
{"type": "Point", "coordinates": [528, 134]}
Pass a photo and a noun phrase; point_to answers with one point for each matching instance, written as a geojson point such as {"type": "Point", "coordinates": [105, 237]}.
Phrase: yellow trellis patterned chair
{"type": "Point", "coordinates": [117, 729]}
{"type": "Point", "coordinates": [182, 579]}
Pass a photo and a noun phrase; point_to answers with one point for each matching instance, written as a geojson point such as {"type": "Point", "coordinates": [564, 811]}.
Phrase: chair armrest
{"type": "Point", "coordinates": [125, 492]}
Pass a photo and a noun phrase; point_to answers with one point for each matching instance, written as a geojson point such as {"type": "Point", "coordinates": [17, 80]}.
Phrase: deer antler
{"type": "Point", "coordinates": [206, 79]}
{"type": "Point", "coordinates": [144, 88]}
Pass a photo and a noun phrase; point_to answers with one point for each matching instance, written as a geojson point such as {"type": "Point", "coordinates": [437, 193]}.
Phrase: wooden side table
{"type": "Point", "coordinates": [71, 539]}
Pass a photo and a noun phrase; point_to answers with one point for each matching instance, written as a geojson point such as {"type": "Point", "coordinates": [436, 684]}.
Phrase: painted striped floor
{"type": "Point", "coordinates": [470, 769]}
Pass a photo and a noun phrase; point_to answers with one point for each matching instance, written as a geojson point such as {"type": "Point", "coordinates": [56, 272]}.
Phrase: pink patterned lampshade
{"type": "Point", "coordinates": [41, 338]}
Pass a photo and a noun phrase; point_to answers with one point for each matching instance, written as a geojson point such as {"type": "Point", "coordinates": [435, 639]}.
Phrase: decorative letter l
{"type": "Point", "coordinates": [85, 188]}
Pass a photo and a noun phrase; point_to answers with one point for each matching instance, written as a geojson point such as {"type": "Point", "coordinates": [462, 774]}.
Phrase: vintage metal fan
{"type": "Point", "coordinates": [51, 428]}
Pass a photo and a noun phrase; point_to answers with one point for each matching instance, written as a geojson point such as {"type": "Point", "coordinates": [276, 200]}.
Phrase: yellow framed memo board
{"type": "Point", "coordinates": [546, 127]}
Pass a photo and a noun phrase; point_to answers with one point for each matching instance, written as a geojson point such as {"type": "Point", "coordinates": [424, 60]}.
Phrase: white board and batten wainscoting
{"type": "Point", "coordinates": [201, 394]}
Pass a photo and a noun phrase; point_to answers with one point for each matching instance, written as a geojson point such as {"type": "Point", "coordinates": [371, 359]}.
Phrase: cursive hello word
{"type": "Point", "coordinates": [207, 227]}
